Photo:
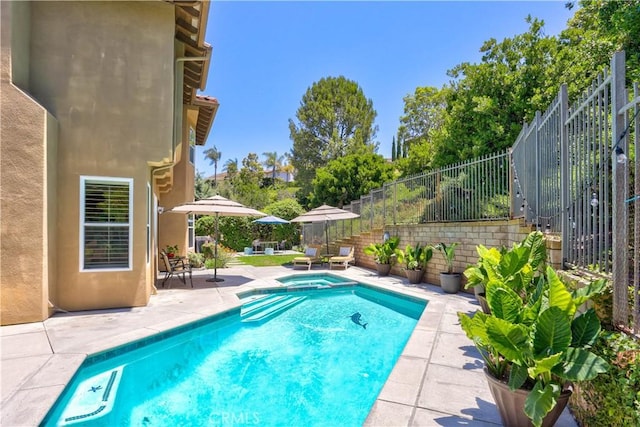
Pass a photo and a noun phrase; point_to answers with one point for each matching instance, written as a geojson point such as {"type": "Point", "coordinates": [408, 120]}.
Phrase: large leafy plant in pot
{"type": "Point", "coordinates": [535, 339]}
{"type": "Point", "coordinates": [385, 254]}
{"type": "Point", "coordinates": [450, 281]}
{"type": "Point", "coordinates": [415, 259]}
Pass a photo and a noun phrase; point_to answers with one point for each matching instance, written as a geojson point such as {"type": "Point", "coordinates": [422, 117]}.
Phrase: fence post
{"type": "Point", "coordinates": [395, 200]}
{"type": "Point", "coordinates": [620, 269]}
{"type": "Point", "coordinates": [371, 216]}
{"type": "Point", "coordinates": [537, 175]}
{"type": "Point", "coordinates": [564, 171]}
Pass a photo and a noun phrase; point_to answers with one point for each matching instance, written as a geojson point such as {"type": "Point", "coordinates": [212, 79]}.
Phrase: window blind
{"type": "Point", "coordinates": [106, 224]}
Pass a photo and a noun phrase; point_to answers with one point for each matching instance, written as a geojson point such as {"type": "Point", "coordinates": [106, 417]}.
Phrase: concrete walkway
{"type": "Point", "coordinates": [437, 381]}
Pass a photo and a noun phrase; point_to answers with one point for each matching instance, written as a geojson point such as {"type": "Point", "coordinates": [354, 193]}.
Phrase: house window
{"type": "Point", "coordinates": [192, 145]}
{"type": "Point", "coordinates": [191, 231]}
{"type": "Point", "coordinates": [106, 223]}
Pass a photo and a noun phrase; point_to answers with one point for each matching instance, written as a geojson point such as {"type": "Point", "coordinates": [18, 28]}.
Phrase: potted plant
{"type": "Point", "coordinates": [385, 254]}
{"type": "Point", "coordinates": [535, 342]}
{"type": "Point", "coordinates": [415, 259]}
{"type": "Point", "coordinates": [449, 281]}
{"type": "Point", "coordinates": [171, 250]}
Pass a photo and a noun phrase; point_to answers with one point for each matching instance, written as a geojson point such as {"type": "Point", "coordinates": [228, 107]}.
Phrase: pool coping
{"type": "Point", "coordinates": [437, 378]}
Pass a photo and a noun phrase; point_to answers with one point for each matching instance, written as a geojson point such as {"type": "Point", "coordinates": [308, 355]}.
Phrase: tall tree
{"type": "Point", "coordinates": [393, 149]}
{"type": "Point", "coordinates": [274, 162]}
{"type": "Point", "coordinates": [214, 157]}
{"type": "Point", "coordinates": [249, 182]}
{"type": "Point", "coordinates": [348, 178]}
{"type": "Point", "coordinates": [399, 149]}
{"type": "Point", "coordinates": [203, 188]}
{"type": "Point", "coordinates": [488, 102]}
{"type": "Point", "coordinates": [231, 168]}
{"type": "Point", "coordinates": [424, 118]}
{"type": "Point", "coordinates": [334, 119]}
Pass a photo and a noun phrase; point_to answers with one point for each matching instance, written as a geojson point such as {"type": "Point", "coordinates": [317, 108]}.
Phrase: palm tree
{"type": "Point", "coordinates": [273, 161]}
{"type": "Point", "coordinates": [214, 156]}
{"type": "Point", "coordinates": [231, 167]}
{"type": "Point", "coordinates": [289, 170]}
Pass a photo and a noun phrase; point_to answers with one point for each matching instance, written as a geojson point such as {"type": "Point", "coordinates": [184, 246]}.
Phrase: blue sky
{"type": "Point", "coordinates": [266, 54]}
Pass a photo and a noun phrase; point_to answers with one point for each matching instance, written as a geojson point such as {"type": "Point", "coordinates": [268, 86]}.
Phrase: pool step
{"type": "Point", "coordinates": [271, 307]}
{"type": "Point", "coordinates": [259, 303]}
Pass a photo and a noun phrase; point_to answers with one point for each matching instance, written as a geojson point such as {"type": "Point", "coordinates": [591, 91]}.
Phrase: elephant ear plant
{"type": "Point", "coordinates": [385, 252]}
{"type": "Point", "coordinates": [415, 257]}
{"type": "Point", "coordinates": [535, 338]}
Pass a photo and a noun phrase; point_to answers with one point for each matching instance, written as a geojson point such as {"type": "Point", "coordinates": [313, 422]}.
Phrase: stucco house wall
{"type": "Point", "coordinates": [28, 136]}
{"type": "Point", "coordinates": [88, 89]}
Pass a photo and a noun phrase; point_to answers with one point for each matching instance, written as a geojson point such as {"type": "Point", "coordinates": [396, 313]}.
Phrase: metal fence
{"type": "Point", "coordinates": [573, 170]}
{"type": "Point", "coordinates": [467, 191]}
{"type": "Point", "coordinates": [572, 175]}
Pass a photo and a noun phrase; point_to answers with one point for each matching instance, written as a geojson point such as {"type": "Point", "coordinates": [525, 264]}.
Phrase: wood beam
{"type": "Point", "coordinates": [192, 75]}
{"type": "Point", "coordinates": [191, 11]}
{"type": "Point", "coordinates": [186, 26]}
{"type": "Point", "coordinates": [194, 66]}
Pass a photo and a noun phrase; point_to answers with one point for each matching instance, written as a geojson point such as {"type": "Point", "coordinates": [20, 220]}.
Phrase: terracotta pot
{"type": "Point", "coordinates": [482, 299]}
{"type": "Point", "coordinates": [414, 276]}
{"type": "Point", "coordinates": [511, 404]}
{"type": "Point", "coordinates": [383, 269]}
{"type": "Point", "coordinates": [450, 282]}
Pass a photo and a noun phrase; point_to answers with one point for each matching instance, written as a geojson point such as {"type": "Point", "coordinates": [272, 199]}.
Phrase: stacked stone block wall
{"type": "Point", "coordinates": [467, 234]}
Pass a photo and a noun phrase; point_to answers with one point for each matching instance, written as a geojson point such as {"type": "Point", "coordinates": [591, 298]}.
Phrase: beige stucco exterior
{"type": "Point", "coordinates": [88, 90]}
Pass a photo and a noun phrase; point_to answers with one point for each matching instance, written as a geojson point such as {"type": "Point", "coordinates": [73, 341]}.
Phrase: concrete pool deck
{"type": "Point", "coordinates": [437, 381]}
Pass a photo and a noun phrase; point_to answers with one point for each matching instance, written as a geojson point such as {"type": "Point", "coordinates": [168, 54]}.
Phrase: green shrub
{"type": "Point", "coordinates": [613, 397]}
{"type": "Point", "coordinates": [195, 259]}
{"type": "Point", "coordinates": [223, 255]}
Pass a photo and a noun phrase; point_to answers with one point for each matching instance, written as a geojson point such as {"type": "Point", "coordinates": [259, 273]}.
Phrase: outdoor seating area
{"type": "Point", "coordinates": [346, 256]}
{"type": "Point", "coordinates": [311, 256]}
{"type": "Point", "coordinates": [267, 247]}
{"type": "Point", "coordinates": [176, 266]}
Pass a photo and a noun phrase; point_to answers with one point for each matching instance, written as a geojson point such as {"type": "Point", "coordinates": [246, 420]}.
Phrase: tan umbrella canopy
{"type": "Point", "coordinates": [216, 205]}
{"type": "Point", "coordinates": [325, 213]}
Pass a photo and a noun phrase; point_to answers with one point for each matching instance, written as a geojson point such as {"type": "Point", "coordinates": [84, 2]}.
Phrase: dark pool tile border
{"type": "Point", "coordinates": [101, 356]}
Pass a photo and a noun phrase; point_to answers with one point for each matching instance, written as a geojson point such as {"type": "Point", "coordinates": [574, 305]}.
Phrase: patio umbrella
{"type": "Point", "coordinates": [216, 205]}
{"type": "Point", "coordinates": [325, 213]}
{"type": "Point", "coordinates": [270, 219]}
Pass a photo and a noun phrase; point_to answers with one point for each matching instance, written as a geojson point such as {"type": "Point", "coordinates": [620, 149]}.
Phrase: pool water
{"type": "Point", "coordinates": [313, 280]}
{"type": "Point", "coordinates": [312, 364]}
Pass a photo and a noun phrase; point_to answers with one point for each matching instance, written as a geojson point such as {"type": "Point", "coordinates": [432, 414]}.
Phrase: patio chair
{"type": "Point", "coordinates": [176, 267]}
{"type": "Point", "coordinates": [311, 256]}
{"type": "Point", "coordinates": [345, 256]}
{"type": "Point", "coordinates": [255, 245]}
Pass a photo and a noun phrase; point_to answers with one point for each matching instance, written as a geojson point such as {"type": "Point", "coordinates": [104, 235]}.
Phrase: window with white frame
{"type": "Point", "coordinates": [106, 227]}
{"type": "Point", "coordinates": [191, 230]}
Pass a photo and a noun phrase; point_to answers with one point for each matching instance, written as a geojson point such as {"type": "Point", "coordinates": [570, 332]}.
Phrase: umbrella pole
{"type": "Point", "coordinates": [215, 256]}
{"type": "Point", "coordinates": [326, 234]}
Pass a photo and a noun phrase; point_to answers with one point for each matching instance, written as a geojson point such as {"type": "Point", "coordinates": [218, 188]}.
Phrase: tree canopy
{"type": "Point", "coordinates": [484, 106]}
{"type": "Point", "coordinates": [349, 177]}
{"type": "Point", "coordinates": [334, 119]}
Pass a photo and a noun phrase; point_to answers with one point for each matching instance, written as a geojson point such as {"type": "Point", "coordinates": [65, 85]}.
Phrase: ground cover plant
{"type": "Point", "coordinates": [612, 398]}
{"type": "Point", "coordinates": [267, 260]}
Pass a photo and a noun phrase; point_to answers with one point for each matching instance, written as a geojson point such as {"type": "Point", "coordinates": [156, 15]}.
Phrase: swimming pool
{"type": "Point", "coordinates": [313, 363]}
{"type": "Point", "coordinates": [314, 280]}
